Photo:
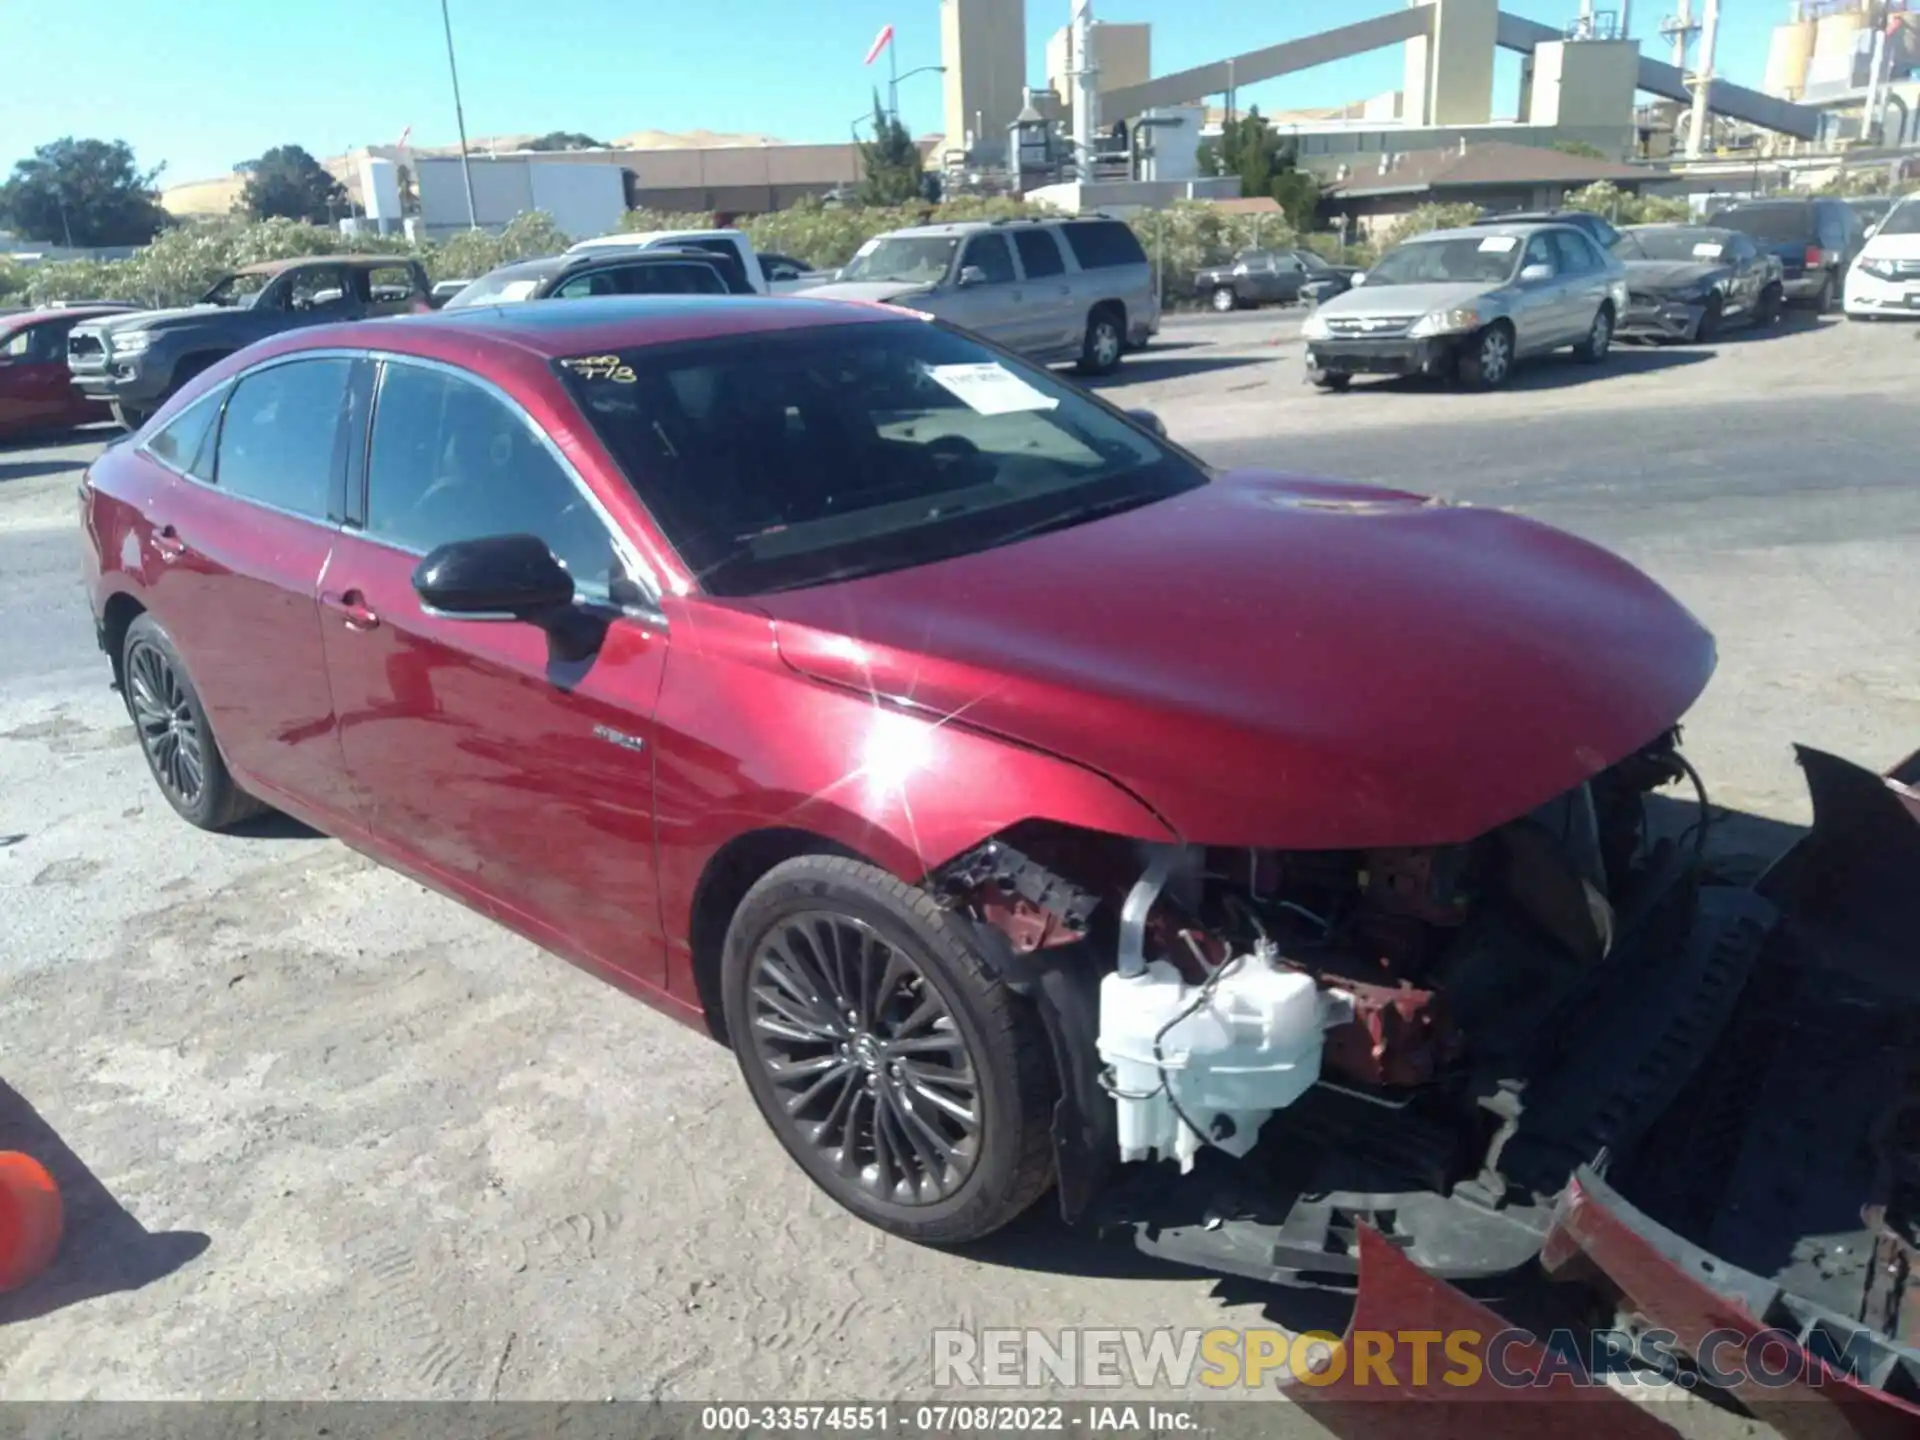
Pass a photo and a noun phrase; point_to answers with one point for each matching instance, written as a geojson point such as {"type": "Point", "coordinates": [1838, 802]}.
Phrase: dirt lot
{"type": "Point", "coordinates": [333, 1137]}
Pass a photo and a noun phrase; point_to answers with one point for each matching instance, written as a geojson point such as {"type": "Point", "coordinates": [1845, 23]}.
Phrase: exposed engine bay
{"type": "Point", "coordinates": [1263, 1052]}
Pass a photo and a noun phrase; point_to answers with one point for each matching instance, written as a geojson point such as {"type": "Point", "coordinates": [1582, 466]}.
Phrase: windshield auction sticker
{"type": "Point", "coordinates": [989, 389]}
{"type": "Point", "coordinates": [1499, 244]}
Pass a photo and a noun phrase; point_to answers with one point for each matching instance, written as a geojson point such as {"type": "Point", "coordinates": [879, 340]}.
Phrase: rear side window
{"type": "Point", "coordinates": [1039, 254]}
{"type": "Point", "coordinates": [388, 289]}
{"type": "Point", "coordinates": [1101, 244]}
{"type": "Point", "coordinates": [1771, 224]}
{"type": "Point", "coordinates": [185, 443]}
{"type": "Point", "coordinates": [688, 279]}
{"type": "Point", "coordinates": [1575, 255]}
{"type": "Point", "coordinates": [279, 440]}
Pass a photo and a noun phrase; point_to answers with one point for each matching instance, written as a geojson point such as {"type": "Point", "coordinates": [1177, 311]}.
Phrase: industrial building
{"type": "Point", "coordinates": [1856, 62]}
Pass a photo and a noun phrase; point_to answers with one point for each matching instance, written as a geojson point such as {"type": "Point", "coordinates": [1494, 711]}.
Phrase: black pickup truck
{"type": "Point", "coordinates": [134, 362]}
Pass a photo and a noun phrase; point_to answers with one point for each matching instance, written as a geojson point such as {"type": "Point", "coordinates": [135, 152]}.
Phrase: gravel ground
{"type": "Point", "coordinates": [331, 1136]}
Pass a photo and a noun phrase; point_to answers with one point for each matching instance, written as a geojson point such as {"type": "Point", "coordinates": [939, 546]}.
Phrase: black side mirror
{"type": "Point", "coordinates": [500, 577]}
{"type": "Point", "coordinates": [1150, 421]}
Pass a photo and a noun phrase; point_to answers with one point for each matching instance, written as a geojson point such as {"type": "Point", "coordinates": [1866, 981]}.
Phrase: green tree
{"type": "Point", "coordinates": [83, 192]}
{"type": "Point", "coordinates": [891, 163]}
{"type": "Point", "coordinates": [1582, 149]}
{"type": "Point", "coordinates": [565, 140]}
{"type": "Point", "coordinates": [289, 184]}
{"type": "Point", "coordinates": [1604, 198]}
{"type": "Point", "coordinates": [1265, 163]}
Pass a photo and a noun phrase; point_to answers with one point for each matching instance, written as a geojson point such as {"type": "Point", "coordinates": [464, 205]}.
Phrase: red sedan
{"type": "Point", "coordinates": [1258, 861]}
{"type": "Point", "coordinates": [36, 390]}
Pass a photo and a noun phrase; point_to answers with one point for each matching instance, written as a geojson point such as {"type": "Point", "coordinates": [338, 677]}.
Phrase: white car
{"type": "Point", "coordinates": [1885, 279]}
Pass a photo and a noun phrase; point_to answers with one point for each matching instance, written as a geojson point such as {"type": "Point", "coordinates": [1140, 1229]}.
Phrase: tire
{"type": "Point", "coordinates": [1823, 300]}
{"type": "Point", "coordinates": [1223, 299]}
{"type": "Point", "coordinates": [791, 935]}
{"type": "Point", "coordinates": [174, 733]}
{"type": "Point", "coordinates": [1105, 343]}
{"type": "Point", "coordinates": [1487, 363]}
{"type": "Point", "coordinates": [128, 417]}
{"type": "Point", "coordinates": [1329, 380]}
{"type": "Point", "coordinates": [1773, 304]}
{"type": "Point", "coordinates": [1593, 349]}
{"type": "Point", "coordinates": [1710, 320]}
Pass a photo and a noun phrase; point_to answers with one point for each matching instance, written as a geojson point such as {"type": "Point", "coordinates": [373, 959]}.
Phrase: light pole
{"type": "Point", "coordinates": [893, 82]}
{"type": "Point", "coordinates": [459, 119]}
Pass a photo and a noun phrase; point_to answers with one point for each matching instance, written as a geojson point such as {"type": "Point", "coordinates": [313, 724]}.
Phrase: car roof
{"type": "Point", "coordinates": [11, 320]}
{"type": "Point", "coordinates": [541, 266]}
{"type": "Point", "coordinates": [276, 267]}
{"type": "Point", "coordinates": [598, 323]}
{"type": "Point", "coordinates": [639, 238]}
{"type": "Point", "coordinates": [1478, 230]}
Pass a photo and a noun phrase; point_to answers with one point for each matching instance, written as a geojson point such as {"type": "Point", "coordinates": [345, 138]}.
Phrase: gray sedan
{"type": "Point", "coordinates": [1469, 304]}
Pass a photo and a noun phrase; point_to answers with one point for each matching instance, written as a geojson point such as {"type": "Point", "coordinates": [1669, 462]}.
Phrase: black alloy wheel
{"type": "Point", "coordinates": [174, 733]}
{"type": "Point", "coordinates": [885, 1051]}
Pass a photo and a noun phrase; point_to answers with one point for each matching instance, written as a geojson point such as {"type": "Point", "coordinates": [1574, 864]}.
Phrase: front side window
{"type": "Point", "coordinates": [1571, 253]}
{"type": "Point", "coordinates": [989, 255]}
{"type": "Point", "coordinates": [1540, 252]}
{"type": "Point", "coordinates": [237, 291]}
{"type": "Point", "coordinates": [906, 259]}
{"type": "Point", "coordinates": [281, 432]}
{"type": "Point", "coordinates": [1099, 244]}
{"type": "Point", "coordinates": [319, 288]}
{"type": "Point", "coordinates": [186, 442]}
{"type": "Point", "coordinates": [452, 461]}
{"type": "Point", "coordinates": [773, 461]}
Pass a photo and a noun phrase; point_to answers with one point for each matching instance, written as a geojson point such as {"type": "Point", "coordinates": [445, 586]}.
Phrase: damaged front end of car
{"type": "Point", "coordinates": [1569, 1043]}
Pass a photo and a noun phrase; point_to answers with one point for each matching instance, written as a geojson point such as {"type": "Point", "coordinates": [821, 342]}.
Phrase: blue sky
{"type": "Point", "coordinates": [203, 84]}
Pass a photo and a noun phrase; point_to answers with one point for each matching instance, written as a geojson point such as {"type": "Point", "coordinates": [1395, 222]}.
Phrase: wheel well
{"type": "Point", "coordinates": [736, 868]}
{"type": "Point", "coordinates": [1114, 308]}
{"type": "Point", "coordinates": [122, 611]}
{"type": "Point", "coordinates": [189, 366]}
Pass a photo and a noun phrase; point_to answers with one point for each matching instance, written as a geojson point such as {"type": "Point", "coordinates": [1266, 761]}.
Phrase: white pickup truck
{"type": "Point", "coordinates": [768, 274]}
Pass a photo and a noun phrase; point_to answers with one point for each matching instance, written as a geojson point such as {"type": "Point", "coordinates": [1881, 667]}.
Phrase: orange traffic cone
{"type": "Point", "coordinates": [31, 1219]}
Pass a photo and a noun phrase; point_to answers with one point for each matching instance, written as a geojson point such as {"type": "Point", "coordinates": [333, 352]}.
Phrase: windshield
{"type": "Point", "coordinates": [236, 292]}
{"type": "Point", "coordinates": [921, 259]}
{"type": "Point", "coordinates": [502, 287]}
{"type": "Point", "coordinates": [776, 460]}
{"type": "Point", "coordinates": [1903, 219]}
{"type": "Point", "coordinates": [1483, 259]}
{"type": "Point", "coordinates": [1677, 242]}
{"type": "Point", "coordinates": [1774, 224]}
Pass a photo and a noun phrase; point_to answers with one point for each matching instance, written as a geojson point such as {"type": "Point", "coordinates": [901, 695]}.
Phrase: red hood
{"type": "Point", "coordinates": [1280, 662]}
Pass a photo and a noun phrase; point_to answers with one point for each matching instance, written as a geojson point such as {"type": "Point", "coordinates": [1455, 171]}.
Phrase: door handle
{"type": "Point", "coordinates": [353, 610]}
{"type": "Point", "coordinates": [1066, 290]}
{"type": "Point", "coordinates": [168, 544]}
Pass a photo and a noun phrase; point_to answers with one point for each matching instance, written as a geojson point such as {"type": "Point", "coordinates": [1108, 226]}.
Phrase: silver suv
{"type": "Point", "coordinates": [1053, 290]}
{"type": "Point", "coordinates": [1469, 303]}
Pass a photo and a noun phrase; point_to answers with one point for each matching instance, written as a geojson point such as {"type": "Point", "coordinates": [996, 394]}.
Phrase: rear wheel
{"type": "Point", "coordinates": [1486, 362]}
{"type": "Point", "coordinates": [128, 417]}
{"type": "Point", "coordinates": [1773, 302]}
{"type": "Point", "coordinates": [887, 1056]}
{"type": "Point", "coordinates": [1224, 299]}
{"type": "Point", "coordinates": [1593, 349]}
{"type": "Point", "coordinates": [174, 732]}
{"type": "Point", "coordinates": [1823, 299]}
{"type": "Point", "coordinates": [1105, 343]}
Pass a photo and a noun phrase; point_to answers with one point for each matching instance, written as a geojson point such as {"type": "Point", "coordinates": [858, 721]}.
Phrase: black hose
{"type": "Point", "coordinates": [1699, 827]}
{"type": "Point", "coordinates": [1160, 1060]}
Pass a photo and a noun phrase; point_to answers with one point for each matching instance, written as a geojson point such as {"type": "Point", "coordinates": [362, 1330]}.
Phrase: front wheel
{"type": "Point", "coordinates": [1329, 380]}
{"type": "Point", "coordinates": [128, 417]}
{"type": "Point", "coordinates": [1708, 326]}
{"type": "Point", "coordinates": [1773, 304]}
{"type": "Point", "coordinates": [1486, 362]}
{"type": "Point", "coordinates": [1224, 299]}
{"type": "Point", "coordinates": [1823, 301]}
{"type": "Point", "coordinates": [885, 1053]}
{"type": "Point", "coordinates": [1593, 349]}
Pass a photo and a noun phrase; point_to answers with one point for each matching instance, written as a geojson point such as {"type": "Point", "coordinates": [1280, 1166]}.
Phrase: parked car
{"type": "Point", "coordinates": [445, 290]}
{"type": "Point", "coordinates": [1816, 240]}
{"type": "Point", "coordinates": [1885, 278]}
{"type": "Point", "coordinates": [36, 392]}
{"type": "Point", "coordinates": [1050, 289]}
{"type": "Point", "coordinates": [785, 274]}
{"type": "Point", "coordinates": [1470, 303]}
{"type": "Point", "coordinates": [1596, 228]}
{"type": "Point", "coordinates": [805, 680]}
{"type": "Point", "coordinates": [135, 361]}
{"type": "Point", "coordinates": [1267, 277]}
{"type": "Point", "coordinates": [1685, 281]}
{"type": "Point", "coordinates": [1871, 209]}
{"type": "Point", "coordinates": [732, 246]}
{"type": "Point", "coordinates": [577, 276]}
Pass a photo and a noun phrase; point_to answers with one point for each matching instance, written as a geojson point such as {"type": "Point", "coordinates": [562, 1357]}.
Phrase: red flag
{"type": "Point", "coordinates": [880, 42]}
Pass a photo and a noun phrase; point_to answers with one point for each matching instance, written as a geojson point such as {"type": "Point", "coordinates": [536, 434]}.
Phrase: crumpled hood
{"type": "Point", "coordinates": [1278, 662]}
{"type": "Point", "coordinates": [1670, 274]}
{"type": "Point", "coordinates": [866, 289]}
{"type": "Point", "coordinates": [1405, 299]}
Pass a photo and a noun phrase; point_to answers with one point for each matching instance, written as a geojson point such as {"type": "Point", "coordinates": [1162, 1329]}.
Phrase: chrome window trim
{"type": "Point", "coordinates": [637, 568]}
